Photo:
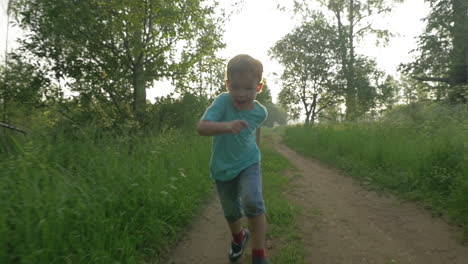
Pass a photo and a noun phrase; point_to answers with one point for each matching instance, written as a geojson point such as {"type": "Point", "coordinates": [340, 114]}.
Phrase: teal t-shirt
{"type": "Point", "coordinates": [231, 153]}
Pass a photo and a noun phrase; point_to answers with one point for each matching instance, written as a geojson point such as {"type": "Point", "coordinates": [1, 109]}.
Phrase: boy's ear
{"type": "Point", "coordinates": [260, 87]}
{"type": "Point", "coordinates": [227, 85]}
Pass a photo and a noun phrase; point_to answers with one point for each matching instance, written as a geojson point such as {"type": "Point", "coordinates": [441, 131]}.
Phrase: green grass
{"type": "Point", "coordinates": [90, 201]}
{"type": "Point", "coordinates": [424, 158]}
{"type": "Point", "coordinates": [282, 226]}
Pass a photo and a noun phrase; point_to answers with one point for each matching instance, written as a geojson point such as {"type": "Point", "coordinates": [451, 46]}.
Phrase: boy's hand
{"type": "Point", "coordinates": [236, 126]}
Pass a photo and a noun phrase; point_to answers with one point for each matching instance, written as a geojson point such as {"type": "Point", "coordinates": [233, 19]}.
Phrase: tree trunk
{"type": "Point", "coordinates": [459, 56]}
{"type": "Point", "coordinates": [5, 93]}
{"type": "Point", "coordinates": [307, 121]}
{"type": "Point", "coordinates": [139, 91]}
{"type": "Point", "coordinates": [313, 108]}
{"type": "Point", "coordinates": [351, 89]}
{"type": "Point", "coordinates": [465, 39]}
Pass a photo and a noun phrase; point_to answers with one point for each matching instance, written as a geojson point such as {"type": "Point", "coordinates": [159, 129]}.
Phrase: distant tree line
{"type": "Point", "coordinates": [323, 72]}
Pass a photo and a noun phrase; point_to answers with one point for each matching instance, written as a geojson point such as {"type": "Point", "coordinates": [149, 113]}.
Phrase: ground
{"type": "Point", "coordinates": [341, 222]}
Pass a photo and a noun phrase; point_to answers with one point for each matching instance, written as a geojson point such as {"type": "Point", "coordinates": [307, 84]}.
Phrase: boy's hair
{"type": "Point", "coordinates": [242, 64]}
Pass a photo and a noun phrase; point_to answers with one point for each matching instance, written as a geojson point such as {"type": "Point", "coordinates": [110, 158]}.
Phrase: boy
{"type": "Point", "coordinates": [234, 120]}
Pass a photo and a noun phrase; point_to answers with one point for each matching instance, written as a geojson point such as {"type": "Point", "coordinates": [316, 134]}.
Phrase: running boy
{"type": "Point", "coordinates": [234, 120]}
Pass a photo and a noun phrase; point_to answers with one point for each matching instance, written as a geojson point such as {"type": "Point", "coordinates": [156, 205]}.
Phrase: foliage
{"type": "Point", "coordinates": [361, 86]}
{"type": "Point", "coordinates": [276, 115]}
{"type": "Point", "coordinates": [181, 113]}
{"type": "Point", "coordinates": [354, 23]}
{"type": "Point", "coordinates": [441, 55]}
{"type": "Point", "coordinates": [23, 89]}
{"type": "Point", "coordinates": [308, 57]}
{"type": "Point", "coordinates": [116, 46]}
{"type": "Point", "coordinates": [376, 91]}
{"type": "Point", "coordinates": [22, 82]}
{"type": "Point", "coordinates": [205, 78]}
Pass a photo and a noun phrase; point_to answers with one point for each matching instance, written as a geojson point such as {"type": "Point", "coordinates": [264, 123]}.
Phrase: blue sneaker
{"type": "Point", "coordinates": [236, 250]}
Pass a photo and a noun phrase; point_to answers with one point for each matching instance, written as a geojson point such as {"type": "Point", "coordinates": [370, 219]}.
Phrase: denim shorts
{"type": "Point", "coordinates": [242, 196]}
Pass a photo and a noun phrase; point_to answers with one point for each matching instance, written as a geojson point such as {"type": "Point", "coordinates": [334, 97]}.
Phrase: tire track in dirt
{"type": "Point", "coordinates": [344, 223]}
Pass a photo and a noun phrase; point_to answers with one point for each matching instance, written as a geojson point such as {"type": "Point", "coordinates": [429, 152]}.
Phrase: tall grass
{"type": "Point", "coordinates": [91, 201]}
{"type": "Point", "coordinates": [420, 151]}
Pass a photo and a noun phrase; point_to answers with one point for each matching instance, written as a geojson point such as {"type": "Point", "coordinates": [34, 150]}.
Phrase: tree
{"type": "Point", "coordinates": [442, 53]}
{"type": "Point", "coordinates": [376, 91]}
{"type": "Point", "coordinates": [108, 44]}
{"type": "Point", "coordinates": [353, 21]}
{"type": "Point", "coordinates": [387, 93]}
{"type": "Point", "coordinates": [26, 85]}
{"type": "Point", "coordinates": [5, 70]}
{"type": "Point", "coordinates": [414, 91]}
{"type": "Point", "coordinates": [204, 78]}
{"type": "Point", "coordinates": [276, 115]}
{"type": "Point", "coordinates": [307, 55]}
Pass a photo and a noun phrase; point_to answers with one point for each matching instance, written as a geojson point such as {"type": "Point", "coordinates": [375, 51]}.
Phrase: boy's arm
{"type": "Point", "coordinates": [211, 128]}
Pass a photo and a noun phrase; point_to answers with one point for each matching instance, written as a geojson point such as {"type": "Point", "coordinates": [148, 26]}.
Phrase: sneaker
{"type": "Point", "coordinates": [259, 261]}
{"type": "Point", "coordinates": [236, 250]}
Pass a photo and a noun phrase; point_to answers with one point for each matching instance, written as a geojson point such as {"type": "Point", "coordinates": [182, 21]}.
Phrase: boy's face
{"type": "Point", "coordinates": [243, 91]}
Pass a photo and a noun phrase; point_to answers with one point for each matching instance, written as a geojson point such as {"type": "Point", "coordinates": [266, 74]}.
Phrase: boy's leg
{"type": "Point", "coordinates": [230, 200]}
{"type": "Point", "coordinates": [235, 227]}
{"type": "Point", "coordinates": [257, 225]}
{"type": "Point", "coordinates": [250, 184]}
{"type": "Point", "coordinates": [228, 193]}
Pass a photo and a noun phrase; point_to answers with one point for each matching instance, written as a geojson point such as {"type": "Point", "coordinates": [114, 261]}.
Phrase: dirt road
{"type": "Point", "coordinates": [341, 222]}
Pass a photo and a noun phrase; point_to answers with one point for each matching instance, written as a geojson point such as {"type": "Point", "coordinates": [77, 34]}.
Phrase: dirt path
{"type": "Point", "coordinates": [342, 223]}
{"type": "Point", "coordinates": [208, 241]}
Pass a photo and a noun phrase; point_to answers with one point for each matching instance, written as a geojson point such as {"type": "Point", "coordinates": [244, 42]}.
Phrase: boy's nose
{"type": "Point", "coordinates": [242, 93]}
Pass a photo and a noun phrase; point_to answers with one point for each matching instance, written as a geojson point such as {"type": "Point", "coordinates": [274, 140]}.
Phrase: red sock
{"type": "Point", "coordinates": [239, 237]}
{"type": "Point", "coordinates": [259, 253]}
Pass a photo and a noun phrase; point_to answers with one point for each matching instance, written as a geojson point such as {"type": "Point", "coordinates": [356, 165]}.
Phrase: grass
{"type": "Point", "coordinates": [282, 226]}
{"type": "Point", "coordinates": [91, 201]}
{"type": "Point", "coordinates": [421, 155]}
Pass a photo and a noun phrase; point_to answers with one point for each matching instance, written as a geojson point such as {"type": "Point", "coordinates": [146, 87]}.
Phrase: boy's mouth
{"type": "Point", "coordinates": [242, 102]}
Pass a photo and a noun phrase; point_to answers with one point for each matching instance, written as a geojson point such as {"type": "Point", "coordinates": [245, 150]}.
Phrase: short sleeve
{"type": "Point", "coordinates": [216, 110]}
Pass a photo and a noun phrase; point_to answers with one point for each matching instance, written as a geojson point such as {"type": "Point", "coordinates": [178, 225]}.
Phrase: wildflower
{"type": "Point", "coordinates": [182, 173]}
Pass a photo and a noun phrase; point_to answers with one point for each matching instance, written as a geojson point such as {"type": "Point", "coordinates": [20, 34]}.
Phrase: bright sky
{"type": "Point", "coordinates": [259, 25]}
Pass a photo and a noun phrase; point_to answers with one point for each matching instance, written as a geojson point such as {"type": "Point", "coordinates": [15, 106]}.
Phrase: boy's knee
{"type": "Point", "coordinates": [253, 205]}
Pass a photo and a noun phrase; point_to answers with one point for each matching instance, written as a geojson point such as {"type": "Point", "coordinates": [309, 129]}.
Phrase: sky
{"type": "Point", "coordinates": [259, 25]}
{"type": "Point", "coordinates": [256, 27]}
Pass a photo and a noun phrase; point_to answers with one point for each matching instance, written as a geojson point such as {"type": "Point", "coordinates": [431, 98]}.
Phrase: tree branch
{"type": "Point", "coordinates": [430, 79]}
{"type": "Point", "coordinates": [12, 128]}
